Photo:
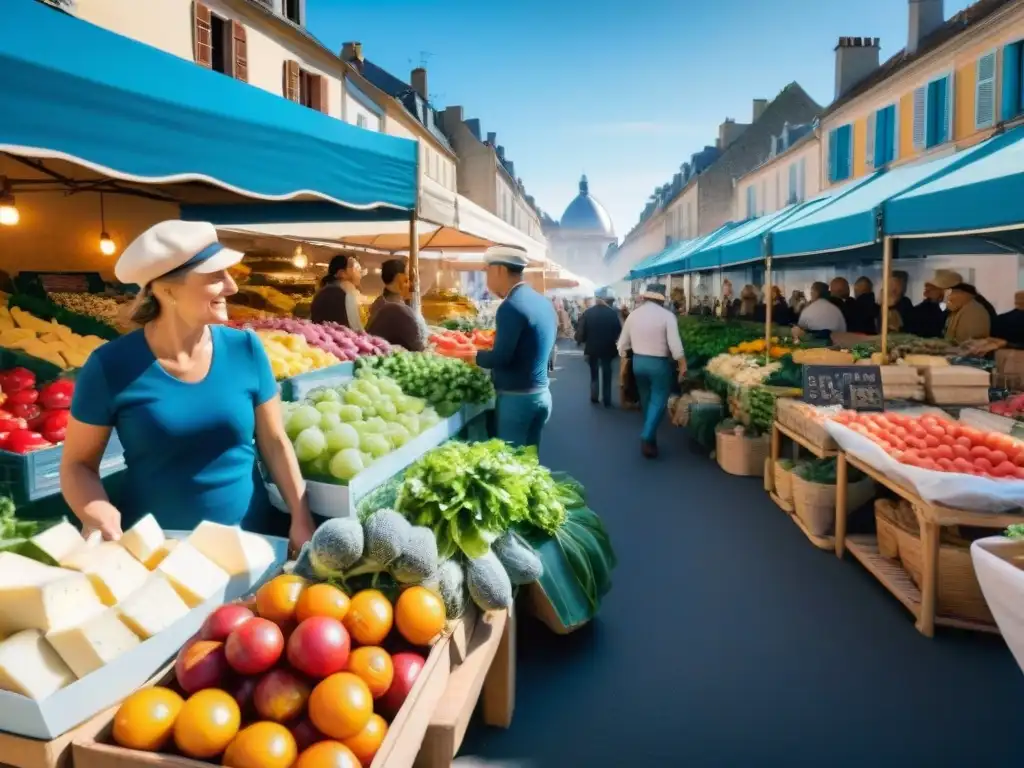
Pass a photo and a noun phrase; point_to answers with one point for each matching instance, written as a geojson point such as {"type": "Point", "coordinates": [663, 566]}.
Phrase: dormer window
{"type": "Point", "coordinates": [292, 10]}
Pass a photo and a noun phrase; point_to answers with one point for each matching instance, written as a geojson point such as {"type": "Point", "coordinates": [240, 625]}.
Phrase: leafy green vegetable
{"type": "Point", "coordinates": [446, 383]}
{"type": "Point", "coordinates": [471, 493]}
{"type": "Point", "coordinates": [1016, 531]}
{"type": "Point", "coordinates": [823, 472]}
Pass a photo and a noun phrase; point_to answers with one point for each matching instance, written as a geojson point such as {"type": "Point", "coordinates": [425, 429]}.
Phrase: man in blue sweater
{"type": "Point", "coordinates": [526, 327]}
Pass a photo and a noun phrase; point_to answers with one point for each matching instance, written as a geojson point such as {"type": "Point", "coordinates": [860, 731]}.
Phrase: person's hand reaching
{"type": "Point", "coordinates": [104, 518]}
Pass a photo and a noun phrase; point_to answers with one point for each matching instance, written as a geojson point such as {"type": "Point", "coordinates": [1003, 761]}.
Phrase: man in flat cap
{"type": "Point", "coordinates": [598, 331]}
{"type": "Point", "coordinates": [526, 328]}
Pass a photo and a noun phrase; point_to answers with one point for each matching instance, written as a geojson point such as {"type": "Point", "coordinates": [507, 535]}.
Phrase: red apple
{"type": "Point", "coordinates": [319, 647]}
{"type": "Point", "coordinates": [200, 665]}
{"type": "Point", "coordinates": [306, 734]}
{"type": "Point", "coordinates": [254, 647]}
{"type": "Point", "coordinates": [223, 621]}
{"type": "Point", "coordinates": [407, 668]}
{"type": "Point", "coordinates": [242, 689]}
{"type": "Point", "coordinates": [281, 696]}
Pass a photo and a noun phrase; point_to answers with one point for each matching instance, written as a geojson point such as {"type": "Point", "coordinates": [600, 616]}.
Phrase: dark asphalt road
{"type": "Point", "coordinates": [728, 640]}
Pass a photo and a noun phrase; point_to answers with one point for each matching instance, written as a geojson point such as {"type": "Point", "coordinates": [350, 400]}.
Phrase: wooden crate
{"type": "Point", "coordinates": [28, 477]}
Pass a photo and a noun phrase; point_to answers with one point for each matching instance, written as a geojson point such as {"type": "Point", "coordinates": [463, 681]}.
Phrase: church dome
{"type": "Point", "coordinates": [585, 213]}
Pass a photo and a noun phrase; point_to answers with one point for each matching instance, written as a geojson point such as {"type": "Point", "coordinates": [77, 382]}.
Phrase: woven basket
{"type": "Point", "coordinates": [784, 486]}
{"type": "Point", "coordinates": [886, 529]}
{"type": "Point", "coordinates": [740, 455]}
{"type": "Point", "coordinates": [815, 503]}
{"type": "Point", "coordinates": [790, 414]}
{"type": "Point", "coordinates": [959, 594]}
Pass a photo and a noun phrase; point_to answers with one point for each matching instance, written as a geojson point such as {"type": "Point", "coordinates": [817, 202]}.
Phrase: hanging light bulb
{"type": "Point", "coordinates": [299, 259]}
{"type": "Point", "coordinates": [9, 215]}
{"type": "Point", "coordinates": [107, 245]}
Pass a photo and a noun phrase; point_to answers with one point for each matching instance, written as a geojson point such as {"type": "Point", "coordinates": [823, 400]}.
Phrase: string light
{"type": "Point", "coordinates": [9, 215]}
{"type": "Point", "coordinates": [299, 259]}
{"type": "Point", "coordinates": [107, 245]}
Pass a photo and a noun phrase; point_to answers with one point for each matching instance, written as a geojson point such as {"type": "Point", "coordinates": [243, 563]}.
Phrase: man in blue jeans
{"type": "Point", "coordinates": [525, 330]}
{"type": "Point", "coordinates": [597, 331]}
{"type": "Point", "coordinates": [652, 333]}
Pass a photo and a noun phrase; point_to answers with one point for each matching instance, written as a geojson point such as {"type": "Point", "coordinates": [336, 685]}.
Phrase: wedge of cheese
{"type": "Point", "coordinates": [54, 544]}
{"type": "Point", "coordinates": [37, 596]}
{"type": "Point", "coordinates": [165, 549]}
{"type": "Point", "coordinates": [234, 550]}
{"type": "Point", "coordinates": [193, 575]}
{"type": "Point", "coordinates": [30, 666]}
{"type": "Point", "coordinates": [113, 572]}
{"type": "Point", "coordinates": [94, 643]}
{"type": "Point", "coordinates": [144, 539]}
{"type": "Point", "coordinates": [152, 608]}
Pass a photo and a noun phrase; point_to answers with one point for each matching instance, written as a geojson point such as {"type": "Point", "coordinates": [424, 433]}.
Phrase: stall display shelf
{"type": "Point", "coordinates": [298, 387]}
{"type": "Point", "coordinates": [931, 517]}
{"type": "Point", "coordinates": [29, 477]}
{"type": "Point", "coordinates": [335, 500]}
{"type": "Point", "coordinates": [778, 430]}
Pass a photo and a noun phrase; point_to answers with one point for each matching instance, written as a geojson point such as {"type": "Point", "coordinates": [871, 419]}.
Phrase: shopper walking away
{"type": "Point", "coordinates": [190, 398]}
{"type": "Point", "coordinates": [598, 332]}
{"type": "Point", "coordinates": [525, 330]}
{"type": "Point", "coordinates": [651, 332]}
{"type": "Point", "coordinates": [337, 300]}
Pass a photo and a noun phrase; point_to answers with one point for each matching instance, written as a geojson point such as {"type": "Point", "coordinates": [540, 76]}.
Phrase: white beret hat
{"type": "Point", "coordinates": [173, 246]}
{"type": "Point", "coordinates": [506, 255]}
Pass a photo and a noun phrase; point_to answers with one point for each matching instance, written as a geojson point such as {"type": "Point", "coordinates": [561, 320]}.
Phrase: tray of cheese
{"type": "Point", "coordinates": [82, 634]}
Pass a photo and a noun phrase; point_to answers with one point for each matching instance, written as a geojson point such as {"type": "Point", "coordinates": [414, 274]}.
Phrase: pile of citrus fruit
{"type": "Point", "coordinates": [302, 676]}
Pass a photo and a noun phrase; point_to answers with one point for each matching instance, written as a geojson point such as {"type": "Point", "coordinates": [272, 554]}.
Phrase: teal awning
{"type": "Point", "coordinates": [640, 270]}
{"type": "Point", "coordinates": [76, 92]}
{"type": "Point", "coordinates": [986, 193]}
{"type": "Point", "coordinates": [689, 261]}
{"type": "Point", "coordinates": [850, 219]}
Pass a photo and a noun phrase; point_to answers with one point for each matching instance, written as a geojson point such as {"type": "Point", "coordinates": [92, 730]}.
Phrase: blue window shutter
{"type": "Point", "coordinates": [885, 144]}
{"type": "Point", "coordinates": [845, 159]}
{"type": "Point", "coordinates": [833, 154]}
{"type": "Point", "coordinates": [948, 108]}
{"type": "Point", "coordinates": [870, 140]}
{"type": "Point", "coordinates": [792, 183]}
{"type": "Point", "coordinates": [920, 117]}
{"type": "Point", "coordinates": [985, 92]}
{"type": "Point", "coordinates": [1011, 81]}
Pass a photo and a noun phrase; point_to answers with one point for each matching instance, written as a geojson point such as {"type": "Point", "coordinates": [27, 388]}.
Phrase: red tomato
{"type": "Point", "coordinates": [929, 464]}
{"type": "Point", "coordinates": [964, 441]}
{"type": "Point", "coordinates": [983, 465]}
{"type": "Point", "coordinates": [1019, 473]}
{"type": "Point", "coordinates": [961, 452]}
{"type": "Point", "coordinates": [931, 441]}
{"type": "Point", "coordinates": [980, 452]}
{"type": "Point", "coordinates": [946, 465]}
{"type": "Point", "coordinates": [997, 457]}
{"type": "Point", "coordinates": [1004, 469]}
{"type": "Point", "coordinates": [944, 451]}
{"type": "Point", "coordinates": [963, 465]}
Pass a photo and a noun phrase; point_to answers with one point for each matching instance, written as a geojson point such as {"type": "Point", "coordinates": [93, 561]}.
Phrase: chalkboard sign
{"type": "Point", "coordinates": [857, 387]}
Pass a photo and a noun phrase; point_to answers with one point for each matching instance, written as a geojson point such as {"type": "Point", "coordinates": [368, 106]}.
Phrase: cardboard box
{"type": "Point", "coordinates": [83, 699]}
{"type": "Point", "coordinates": [399, 750]}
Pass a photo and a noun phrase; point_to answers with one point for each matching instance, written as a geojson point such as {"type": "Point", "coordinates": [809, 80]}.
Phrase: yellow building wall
{"type": "Point", "coordinates": [964, 97]}
{"type": "Point", "coordinates": [906, 126]}
{"type": "Point", "coordinates": [860, 135]}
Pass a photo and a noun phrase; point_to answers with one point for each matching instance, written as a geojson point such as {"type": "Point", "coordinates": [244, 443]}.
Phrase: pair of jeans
{"type": "Point", "coordinates": [520, 417]}
{"type": "Point", "coordinates": [654, 378]}
{"type": "Point", "coordinates": [602, 366]}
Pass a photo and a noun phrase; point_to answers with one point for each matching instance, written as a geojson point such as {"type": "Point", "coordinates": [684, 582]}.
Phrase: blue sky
{"type": "Point", "coordinates": [623, 90]}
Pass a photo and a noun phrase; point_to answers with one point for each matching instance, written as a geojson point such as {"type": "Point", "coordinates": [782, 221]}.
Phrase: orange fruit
{"type": "Point", "coordinates": [322, 600]}
{"type": "Point", "coordinates": [328, 754]}
{"type": "Point", "coordinates": [369, 617]}
{"type": "Point", "coordinates": [145, 720]}
{"type": "Point", "coordinates": [277, 599]}
{"type": "Point", "coordinates": [364, 745]}
{"type": "Point", "coordinates": [207, 723]}
{"type": "Point", "coordinates": [373, 666]}
{"type": "Point", "coordinates": [262, 745]}
{"type": "Point", "coordinates": [341, 705]}
{"type": "Point", "coordinates": [419, 615]}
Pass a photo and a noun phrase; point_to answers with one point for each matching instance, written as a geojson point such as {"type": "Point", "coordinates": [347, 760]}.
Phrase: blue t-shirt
{"type": "Point", "coordinates": [525, 330]}
{"type": "Point", "coordinates": [188, 447]}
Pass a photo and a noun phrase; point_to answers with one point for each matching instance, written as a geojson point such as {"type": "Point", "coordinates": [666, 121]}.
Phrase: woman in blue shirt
{"type": "Point", "coordinates": [187, 397]}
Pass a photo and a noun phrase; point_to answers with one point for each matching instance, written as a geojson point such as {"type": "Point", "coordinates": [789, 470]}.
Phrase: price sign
{"type": "Point", "coordinates": [856, 387]}
{"type": "Point", "coordinates": [64, 282]}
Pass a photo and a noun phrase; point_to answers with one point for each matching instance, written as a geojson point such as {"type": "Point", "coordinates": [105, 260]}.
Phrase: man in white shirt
{"type": "Point", "coordinates": [821, 317]}
{"type": "Point", "coordinates": [651, 333]}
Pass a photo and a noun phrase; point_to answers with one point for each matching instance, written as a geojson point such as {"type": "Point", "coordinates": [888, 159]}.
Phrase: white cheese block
{"type": "Point", "coordinates": [94, 643]}
{"type": "Point", "coordinates": [113, 572]}
{"type": "Point", "coordinates": [30, 666]}
{"type": "Point", "coordinates": [37, 596]}
{"type": "Point", "coordinates": [143, 539]}
{"type": "Point", "coordinates": [152, 608]}
{"type": "Point", "coordinates": [234, 550]}
{"type": "Point", "coordinates": [164, 550]}
{"type": "Point", "coordinates": [58, 542]}
{"type": "Point", "coordinates": [193, 575]}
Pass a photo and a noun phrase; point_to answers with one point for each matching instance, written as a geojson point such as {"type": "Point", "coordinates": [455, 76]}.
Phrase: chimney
{"type": "Point", "coordinates": [474, 127]}
{"type": "Point", "coordinates": [511, 168]}
{"type": "Point", "coordinates": [760, 105]}
{"type": "Point", "coordinates": [856, 58]}
{"type": "Point", "coordinates": [453, 113]}
{"type": "Point", "coordinates": [352, 52]}
{"type": "Point", "coordinates": [926, 16]}
{"type": "Point", "coordinates": [728, 132]}
{"type": "Point", "coordinates": [501, 153]}
{"type": "Point", "coordinates": [492, 138]}
{"type": "Point", "coordinates": [419, 82]}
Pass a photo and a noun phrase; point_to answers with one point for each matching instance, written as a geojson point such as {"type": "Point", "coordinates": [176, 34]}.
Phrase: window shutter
{"type": "Point", "coordinates": [240, 52]}
{"type": "Point", "coordinates": [985, 92]}
{"type": "Point", "coordinates": [801, 180]}
{"type": "Point", "coordinates": [323, 89]}
{"type": "Point", "coordinates": [202, 36]}
{"type": "Point", "coordinates": [847, 156]}
{"type": "Point", "coordinates": [871, 141]}
{"type": "Point", "coordinates": [895, 137]}
{"type": "Point", "coordinates": [792, 183]}
{"type": "Point", "coordinates": [318, 93]}
{"type": "Point", "coordinates": [291, 80]}
{"type": "Point", "coordinates": [948, 108]}
{"type": "Point", "coordinates": [833, 154]}
{"type": "Point", "coordinates": [1011, 82]}
{"type": "Point", "coordinates": [920, 102]}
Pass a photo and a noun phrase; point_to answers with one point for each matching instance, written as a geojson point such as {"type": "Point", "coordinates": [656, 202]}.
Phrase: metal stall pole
{"type": "Point", "coordinates": [887, 246]}
{"type": "Point", "coordinates": [414, 260]}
